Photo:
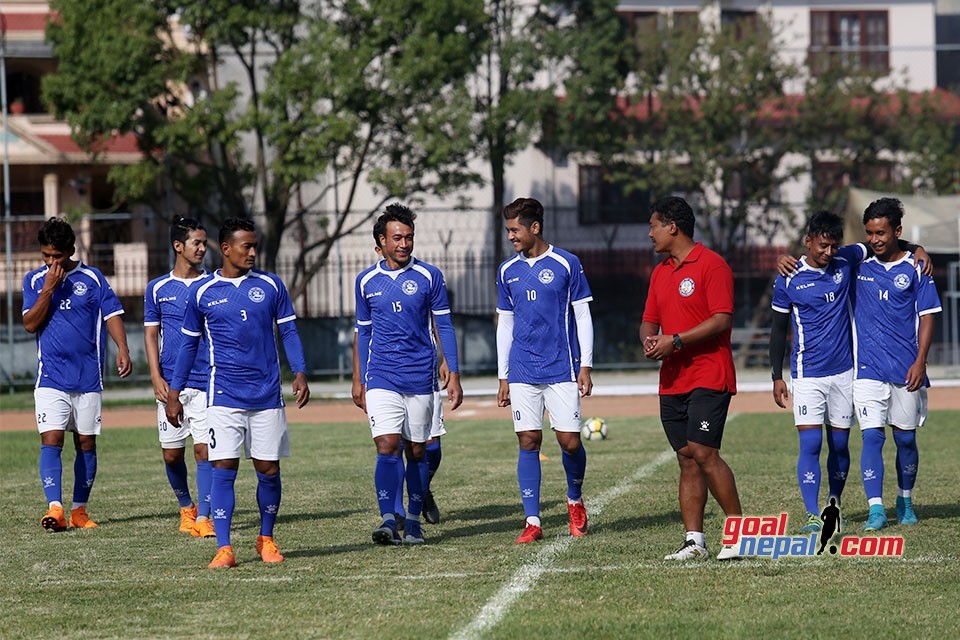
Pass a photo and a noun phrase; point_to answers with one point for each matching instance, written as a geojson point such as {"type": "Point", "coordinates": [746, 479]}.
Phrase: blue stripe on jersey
{"type": "Point", "coordinates": [396, 306]}
{"type": "Point", "coordinates": [889, 299]}
{"type": "Point", "coordinates": [238, 316]}
{"type": "Point", "coordinates": [818, 301]}
{"type": "Point", "coordinates": [539, 293]}
{"type": "Point", "coordinates": [71, 342]}
{"type": "Point", "coordinates": [163, 305]}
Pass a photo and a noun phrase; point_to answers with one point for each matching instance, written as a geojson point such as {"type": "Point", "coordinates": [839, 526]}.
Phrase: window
{"type": "Point", "coordinates": [603, 201]}
{"type": "Point", "coordinates": [741, 23]}
{"type": "Point", "coordinates": [852, 39]}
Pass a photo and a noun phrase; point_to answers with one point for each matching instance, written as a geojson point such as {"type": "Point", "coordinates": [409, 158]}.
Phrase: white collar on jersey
{"type": "Point", "coordinates": [187, 280]}
{"type": "Point", "coordinates": [533, 261]}
{"type": "Point", "coordinates": [234, 281]}
{"type": "Point", "coordinates": [395, 273]}
{"type": "Point", "coordinates": [907, 257]}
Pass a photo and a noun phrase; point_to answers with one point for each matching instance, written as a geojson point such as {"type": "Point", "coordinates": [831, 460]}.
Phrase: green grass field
{"type": "Point", "coordinates": [137, 577]}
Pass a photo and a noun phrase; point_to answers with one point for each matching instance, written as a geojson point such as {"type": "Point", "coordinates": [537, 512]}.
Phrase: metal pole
{"type": "Point", "coordinates": [6, 191]}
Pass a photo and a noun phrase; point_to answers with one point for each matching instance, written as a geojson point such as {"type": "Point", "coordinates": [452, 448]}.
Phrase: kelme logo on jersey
{"type": "Point", "coordinates": [902, 281]}
{"type": "Point", "coordinates": [687, 287]}
{"type": "Point", "coordinates": [79, 288]}
{"type": "Point", "coordinates": [256, 294]}
{"type": "Point", "coordinates": [409, 287]}
{"type": "Point", "coordinates": [545, 276]}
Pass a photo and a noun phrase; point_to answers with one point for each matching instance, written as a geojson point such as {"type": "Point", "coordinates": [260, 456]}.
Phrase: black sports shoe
{"type": "Point", "coordinates": [430, 511]}
{"type": "Point", "coordinates": [387, 534]}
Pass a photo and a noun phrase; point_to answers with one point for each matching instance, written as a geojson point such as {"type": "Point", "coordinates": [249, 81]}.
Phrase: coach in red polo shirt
{"type": "Point", "coordinates": [686, 325]}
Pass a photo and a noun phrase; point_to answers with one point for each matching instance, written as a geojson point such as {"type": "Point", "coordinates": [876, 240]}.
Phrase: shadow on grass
{"type": "Point", "coordinates": [317, 516]}
{"type": "Point", "coordinates": [640, 522]}
{"type": "Point", "coordinates": [329, 551]}
{"type": "Point", "coordinates": [491, 518]}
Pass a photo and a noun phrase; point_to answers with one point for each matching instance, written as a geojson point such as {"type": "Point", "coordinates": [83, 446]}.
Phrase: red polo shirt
{"type": "Point", "coordinates": [681, 297]}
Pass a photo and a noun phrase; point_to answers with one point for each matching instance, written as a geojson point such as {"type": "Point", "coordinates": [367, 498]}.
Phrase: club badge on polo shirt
{"type": "Point", "coordinates": [686, 287]}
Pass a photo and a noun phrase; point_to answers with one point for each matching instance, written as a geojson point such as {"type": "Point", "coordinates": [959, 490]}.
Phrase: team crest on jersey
{"type": "Point", "coordinates": [545, 276]}
{"type": "Point", "coordinates": [838, 277]}
{"type": "Point", "coordinates": [79, 288]}
{"type": "Point", "coordinates": [687, 287]}
{"type": "Point", "coordinates": [409, 287]}
{"type": "Point", "coordinates": [256, 294]}
{"type": "Point", "coordinates": [902, 281]}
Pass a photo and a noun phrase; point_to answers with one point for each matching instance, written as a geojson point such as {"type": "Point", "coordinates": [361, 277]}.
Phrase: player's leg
{"type": "Point", "coordinates": [527, 407]}
{"type": "Point", "coordinates": [53, 415]}
{"type": "Point", "coordinates": [227, 428]}
{"type": "Point", "coordinates": [195, 423]}
{"type": "Point", "coordinates": [386, 413]}
{"type": "Point", "coordinates": [562, 402]}
{"type": "Point", "coordinates": [692, 487]}
{"type": "Point", "coordinates": [398, 509]}
{"type": "Point", "coordinates": [86, 421]}
{"type": "Point", "coordinates": [871, 400]}
{"type": "Point", "coordinates": [908, 411]}
{"type": "Point", "coordinates": [173, 442]}
{"type": "Point", "coordinates": [840, 412]}
{"type": "Point", "coordinates": [809, 413]}
{"type": "Point", "coordinates": [431, 512]}
{"type": "Point", "coordinates": [416, 431]}
{"type": "Point", "coordinates": [269, 440]}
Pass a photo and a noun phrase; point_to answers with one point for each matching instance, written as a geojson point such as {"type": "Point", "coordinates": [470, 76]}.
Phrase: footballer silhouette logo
{"type": "Point", "coordinates": [409, 287]}
{"type": "Point", "coordinates": [687, 287]}
{"type": "Point", "coordinates": [256, 294]}
{"type": "Point", "coordinates": [545, 276]}
{"type": "Point", "coordinates": [902, 281]}
{"type": "Point", "coordinates": [79, 288]}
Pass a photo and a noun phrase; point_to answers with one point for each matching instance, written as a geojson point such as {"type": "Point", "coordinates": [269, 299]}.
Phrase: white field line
{"type": "Point", "coordinates": [528, 574]}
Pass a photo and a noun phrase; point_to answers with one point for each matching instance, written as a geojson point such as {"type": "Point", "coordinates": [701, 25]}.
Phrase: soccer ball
{"type": "Point", "coordinates": [594, 429]}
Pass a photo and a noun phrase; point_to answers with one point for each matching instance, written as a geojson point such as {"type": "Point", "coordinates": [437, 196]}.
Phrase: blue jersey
{"type": "Point", "coordinates": [163, 306]}
{"type": "Point", "coordinates": [71, 341]}
{"type": "Point", "coordinates": [819, 304]}
{"type": "Point", "coordinates": [396, 306]}
{"type": "Point", "coordinates": [889, 299]}
{"type": "Point", "coordinates": [540, 293]}
{"type": "Point", "coordinates": [237, 316]}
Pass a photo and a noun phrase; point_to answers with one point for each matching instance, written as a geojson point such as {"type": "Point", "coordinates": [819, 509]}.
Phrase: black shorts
{"type": "Point", "coordinates": [698, 416]}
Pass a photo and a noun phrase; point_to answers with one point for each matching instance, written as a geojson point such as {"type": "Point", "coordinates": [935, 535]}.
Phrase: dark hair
{"type": "Point", "coordinates": [232, 225]}
{"type": "Point", "coordinates": [676, 210]}
{"type": "Point", "coordinates": [181, 228]}
{"type": "Point", "coordinates": [527, 210]}
{"type": "Point", "coordinates": [58, 234]}
{"type": "Point", "coordinates": [827, 224]}
{"type": "Point", "coordinates": [889, 208]}
{"type": "Point", "coordinates": [395, 212]}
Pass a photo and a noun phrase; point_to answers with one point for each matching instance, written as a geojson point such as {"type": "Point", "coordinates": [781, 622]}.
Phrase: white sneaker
{"type": "Point", "coordinates": [728, 552]}
{"type": "Point", "coordinates": [689, 550]}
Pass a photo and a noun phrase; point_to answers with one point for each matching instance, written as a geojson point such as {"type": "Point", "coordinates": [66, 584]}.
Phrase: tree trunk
{"type": "Point", "coordinates": [497, 166]}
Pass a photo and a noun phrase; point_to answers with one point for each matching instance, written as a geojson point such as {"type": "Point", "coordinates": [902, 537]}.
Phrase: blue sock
{"type": "Point", "coordinates": [84, 473]}
{"type": "Point", "coordinates": [268, 499]}
{"type": "Point", "coordinates": [808, 468]}
{"type": "Point", "coordinates": [434, 455]}
{"type": "Point", "coordinates": [204, 478]}
{"type": "Point", "coordinates": [417, 481]}
{"type": "Point", "coordinates": [908, 458]}
{"type": "Point", "coordinates": [51, 472]}
{"type": "Point", "coordinates": [528, 476]}
{"type": "Point", "coordinates": [871, 462]}
{"type": "Point", "coordinates": [401, 474]}
{"type": "Point", "coordinates": [177, 475]}
{"type": "Point", "coordinates": [385, 482]}
{"type": "Point", "coordinates": [838, 460]}
{"type": "Point", "coordinates": [222, 501]}
{"type": "Point", "coordinates": [575, 467]}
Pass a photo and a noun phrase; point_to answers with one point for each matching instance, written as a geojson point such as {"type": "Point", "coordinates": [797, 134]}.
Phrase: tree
{"type": "Point", "coordinates": [370, 92]}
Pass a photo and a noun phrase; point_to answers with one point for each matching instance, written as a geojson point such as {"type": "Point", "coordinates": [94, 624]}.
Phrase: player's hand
{"type": "Point", "coordinates": [124, 366]}
{"type": "Point", "coordinates": [584, 383]}
{"type": "Point", "coordinates": [787, 265]}
{"type": "Point", "coordinates": [55, 276]}
{"type": "Point", "coordinates": [301, 390]}
{"type": "Point", "coordinates": [780, 393]}
{"type": "Point", "coordinates": [916, 375]}
{"type": "Point", "coordinates": [503, 394]}
{"type": "Point", "coordinates": [174, 409]}
{"type": "Point", "coordinates": [359, 394]}
{"type": "Point", "coordinates": [658, 347]}
{"type": "Point", "coordinates": [160, 389]}
{"type": "Point", "coordinates": [924, 261]}
{"type": "Point", "coordinates": [454, 391]}
{"type": "Point", "coordinates": [444, 374]}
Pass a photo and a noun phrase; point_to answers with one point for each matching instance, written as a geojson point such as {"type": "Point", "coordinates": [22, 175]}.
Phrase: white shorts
{"type": "Point", "coordinates": [881, 403]}
{"type": "Point", "coordinates": [194, 423]}
{"type": "Point", "coordinates": [262, 433]}
{"type": "Point", "coordinates": [561, 400]}
{"type": "Point", "coordinates": [827, 400]}
{"type": "Point", "coordinates": [436, 424]}
{"type": "Point", "coordinates": [65, 411]}
{"type": "Point", "coordinates": [410, 415]}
